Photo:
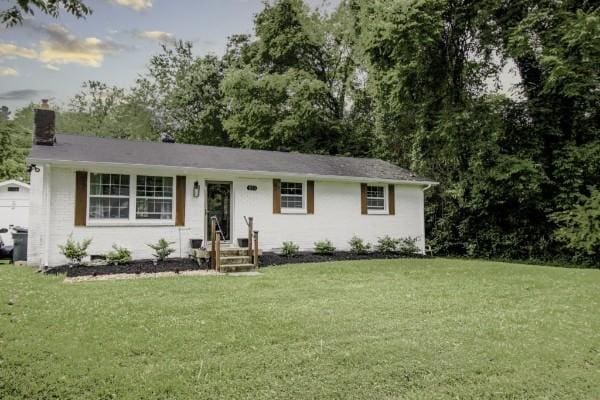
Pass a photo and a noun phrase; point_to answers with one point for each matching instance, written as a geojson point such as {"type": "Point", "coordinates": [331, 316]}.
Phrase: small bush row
{"type": "Point", "coordinates": [75, 251]}
{"type": "Point", "coordinates": [385, 244]}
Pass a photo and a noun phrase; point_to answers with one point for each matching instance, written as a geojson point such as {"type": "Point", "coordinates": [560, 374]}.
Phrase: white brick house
{"type": "Point", "coordinates": [132, 193]}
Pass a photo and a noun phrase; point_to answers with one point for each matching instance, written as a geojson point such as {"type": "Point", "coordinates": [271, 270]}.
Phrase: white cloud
{"type": "Point", "coordinates": [7, 71]}
{"type": "Point", "coordinates": [10, 50]}
{"type": "Point", "coordinates": [51, 67]}
{"type": "Point", "coordinates": [65, 48]}
{"type": "Point", "coordinates": [157, 36]}
{"type": "Point", "coordinates": [136, 5]}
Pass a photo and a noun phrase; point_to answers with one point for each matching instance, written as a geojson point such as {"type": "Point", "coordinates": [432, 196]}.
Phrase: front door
{"type": "Point", "coordinates": [218, 204]}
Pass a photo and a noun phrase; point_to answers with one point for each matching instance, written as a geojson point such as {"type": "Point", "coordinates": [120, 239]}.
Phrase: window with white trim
{"type": "Point", "coordinates": [109, 196]}
{"type": "Point", "coordinates": [154, 197]}
{"type": "Point", "coordinates": [376, 198]}
{"type": "Point", "coordinates": [292, 195]}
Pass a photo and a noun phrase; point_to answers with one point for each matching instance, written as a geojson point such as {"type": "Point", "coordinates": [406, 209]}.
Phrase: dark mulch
{"type": "Point", "coordinates": [133, 267]}
{"type": "Point", "coordinates": [308, 257]}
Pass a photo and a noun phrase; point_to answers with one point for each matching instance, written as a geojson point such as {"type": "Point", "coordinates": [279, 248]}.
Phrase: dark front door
{"type": "Point", "coordinates": [218, 204]}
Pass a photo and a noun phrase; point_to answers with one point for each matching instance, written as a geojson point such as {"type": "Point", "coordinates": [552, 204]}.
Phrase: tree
{"type": "Point", "coordinates": [14, 14]}
{"type": "Point", "coordinates": [292, 87]}
{"type": "Point", "coordinates": [183, 92]}
{"type": "Point", "coordinates": [14, 146]}
{"type": "Point", "coordinates": [579, 227]}
{"type": "Point", "coordinates": [101, 110]}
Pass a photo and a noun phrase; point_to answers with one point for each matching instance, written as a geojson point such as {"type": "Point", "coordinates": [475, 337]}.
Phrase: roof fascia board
{"type": "Point", "coordinates": [241, 173]}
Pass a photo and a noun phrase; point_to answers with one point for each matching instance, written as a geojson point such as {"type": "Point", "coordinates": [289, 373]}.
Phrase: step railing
{"type": "Point", "coordinates": [252, 241]}
{"type": "Point", "coordinates": [215, 250]}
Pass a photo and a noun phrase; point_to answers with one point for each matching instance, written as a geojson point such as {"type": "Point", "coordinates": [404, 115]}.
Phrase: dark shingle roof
{"type": "Point", "coordinates": [118, 151]}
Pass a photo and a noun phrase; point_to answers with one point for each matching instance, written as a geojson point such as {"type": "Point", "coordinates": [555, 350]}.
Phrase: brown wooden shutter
{"type": "Point", "coordinates": [310, 197]}
{"type": "Point", "coordinates": [80, 198]}
{"type": "Point", "coordinates": [363, 199]}
{"type": "Point", "coordinates": [180, 201]}
{"type": "Point", "coordinates": [391, 200]}
{"type": "Point", "coordinates": [276, 196]}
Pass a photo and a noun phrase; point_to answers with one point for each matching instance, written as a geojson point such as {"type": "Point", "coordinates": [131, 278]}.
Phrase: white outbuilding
{"type": "Point", "coordinates": [14, 206]}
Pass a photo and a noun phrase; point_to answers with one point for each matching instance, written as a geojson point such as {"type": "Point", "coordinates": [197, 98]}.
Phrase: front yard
{"type": "Point", "coordinates": [427, 328]}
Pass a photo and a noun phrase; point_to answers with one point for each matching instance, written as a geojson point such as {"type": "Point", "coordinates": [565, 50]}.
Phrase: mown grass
{"type": "Point", "coordinates": [410, 329]}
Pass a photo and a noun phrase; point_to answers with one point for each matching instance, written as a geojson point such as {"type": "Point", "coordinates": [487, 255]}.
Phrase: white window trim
{"type": "Point", "coordinates": [287, 210]}
{"type": "Point", "coordinates": [132, 220]}
{"type": "Point", "coordinates": [385, 201]}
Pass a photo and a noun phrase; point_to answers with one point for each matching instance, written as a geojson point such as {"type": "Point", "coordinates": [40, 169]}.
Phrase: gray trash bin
{"type": "Point", "coordinates": [19, 236]}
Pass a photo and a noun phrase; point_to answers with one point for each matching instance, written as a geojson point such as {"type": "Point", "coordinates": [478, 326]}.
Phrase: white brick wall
{"type": "Point", "coordinates": [337, 217]}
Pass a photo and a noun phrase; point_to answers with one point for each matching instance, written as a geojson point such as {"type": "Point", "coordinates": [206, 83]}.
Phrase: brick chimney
{"type": "Point", "coordinates": [43, 125]}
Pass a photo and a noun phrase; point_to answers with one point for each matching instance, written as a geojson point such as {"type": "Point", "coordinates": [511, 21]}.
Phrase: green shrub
{"type": "Point", "coordinates": [324, 247]}
{"type": "Point", "coordinates": [289, 249]}
{"type": "Point", "coordinates": [386, 244]}
{"type": "Point", "coordinates": [162, 249]}
{"type": "Point", "coordinates": [358, 246]}
{"type": "Point", "coordinates": [75, 251]}
{"type": "Point", "coordinates": [407, 246]}
{"type": "Point", "coordinates": [119, 255]}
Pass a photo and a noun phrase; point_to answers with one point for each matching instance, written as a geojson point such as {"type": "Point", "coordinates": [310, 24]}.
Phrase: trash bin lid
{"type": "Point", "coordinates": [19, 229]}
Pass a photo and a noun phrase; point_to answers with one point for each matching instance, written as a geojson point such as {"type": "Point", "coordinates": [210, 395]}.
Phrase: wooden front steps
{"type": "Point", "coordinates": [232, 259]}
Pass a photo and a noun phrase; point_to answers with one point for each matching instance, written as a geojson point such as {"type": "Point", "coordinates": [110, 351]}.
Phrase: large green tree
{"type": "Point", "coordinates": [183, 92]}
{"type": "Point", "coordinates": [294, 85]}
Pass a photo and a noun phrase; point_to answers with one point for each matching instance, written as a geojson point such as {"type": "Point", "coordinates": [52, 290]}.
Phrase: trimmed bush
{"type": "Point", "coordinates": [75, 251]}
{"type": "Point", "coordinates": [324, 247]}
{"type": "Point", "coordinates": [162, 249]}
{"type": "Point", "coordinates": [407, 246]}
{"type": "Point", "coordinates": [289, 249]}
{"type": "Point", "coordinates": [119, 255]}
{"type": "Point", "coordinates": [358, 246]}
{"type": "Point", "coordinates": [386, 244]}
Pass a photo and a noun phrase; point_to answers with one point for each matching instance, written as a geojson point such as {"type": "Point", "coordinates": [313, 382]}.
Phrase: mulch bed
{"type": "Point", "coordinates": [269, 258]}
{"type": "Point", "coordinates": [133, 267]}
{"type": "Point", "coordinates": [189, 264]}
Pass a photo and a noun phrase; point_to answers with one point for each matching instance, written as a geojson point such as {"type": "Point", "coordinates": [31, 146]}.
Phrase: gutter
{"type": "Point", "coordinates": [242, 173]}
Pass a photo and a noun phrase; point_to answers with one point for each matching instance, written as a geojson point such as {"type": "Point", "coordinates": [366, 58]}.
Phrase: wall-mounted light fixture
{"type": "Point", "coordinates": [196, 192]}
{"type": "Point", "coordinates": [32, 167]}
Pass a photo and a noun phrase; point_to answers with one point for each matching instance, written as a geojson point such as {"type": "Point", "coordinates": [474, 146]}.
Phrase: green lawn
{"type": "Point", "coordinates": [410, 329]}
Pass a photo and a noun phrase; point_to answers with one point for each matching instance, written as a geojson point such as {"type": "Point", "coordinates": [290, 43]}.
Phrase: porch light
{"type": "Point", "coordinates": [196, 192]}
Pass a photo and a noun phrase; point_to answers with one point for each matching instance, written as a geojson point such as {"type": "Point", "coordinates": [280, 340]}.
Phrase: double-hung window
{"type": "Point", "coordinates": [130, 198]}
{"type": "Point", "coordinates": [292, 195]}
{"type": "Point", "coordinates": [376, 198]}
{"type": "Point", "coordinates": [109, 196]}
{"type": "Point", "coordinates": [154, 197]}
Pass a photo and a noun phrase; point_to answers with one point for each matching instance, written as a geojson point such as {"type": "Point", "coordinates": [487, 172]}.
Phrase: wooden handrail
{"type": "Point", "coordinates": [250, 223]}
{"type": "Point", "coordinates": [255, 249]}
{"type": "Point", "coordinates": [213, 228]}
{"type": "Point", "coordinates": [218, 253]}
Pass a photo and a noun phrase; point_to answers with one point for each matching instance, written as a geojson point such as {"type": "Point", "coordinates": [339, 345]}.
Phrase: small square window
{"type": "Point", "coordinates": [13, 189]}
{"type": "Point", "coordinates": [292, 195]}
{"type": "Point", "coordinates": [375, 198]}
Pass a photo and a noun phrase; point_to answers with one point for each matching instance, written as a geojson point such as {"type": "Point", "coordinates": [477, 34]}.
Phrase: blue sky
{"type": "Point", "coordinates": [50, 58]}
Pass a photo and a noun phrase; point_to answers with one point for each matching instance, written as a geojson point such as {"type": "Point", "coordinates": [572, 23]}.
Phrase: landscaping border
{"type": "Point", "coordinates": [189, 264]}
{"type": "Point", "coordinates": [132, 267]}
{"type": "Point", "coordinates": [271, 258]}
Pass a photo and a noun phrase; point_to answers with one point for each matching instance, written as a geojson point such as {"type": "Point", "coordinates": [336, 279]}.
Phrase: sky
{"type": "Point", "coordinates": [51, 58]}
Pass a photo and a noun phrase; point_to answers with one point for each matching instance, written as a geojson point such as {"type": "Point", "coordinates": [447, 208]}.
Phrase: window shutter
{"type": "Point", "coordinates": [276, 196]}
{"type": "Point", "coordinates": [80, 198]}
{"type": "Point", "coordinates": [391, 200]}
{"type": "Point", "coordinates": [180, 201]}
{"type": "Point", "coordinates": [310, 197]}
{"type": "Point", "coordinates": [363, 199]}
